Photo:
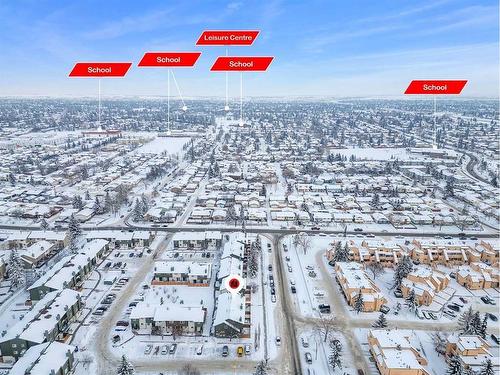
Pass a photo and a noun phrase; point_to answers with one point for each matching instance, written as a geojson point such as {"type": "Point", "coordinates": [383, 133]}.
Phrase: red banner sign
{"type": "Point", "coordinates": [100, 69]}
{"type": "Point", "coordinates": [242, 63]}
{"type": "Point", "coordinates": [169, 59]}
{"type": "Point", "coordinates": [227, 37]}
{"type": "Point", "coordinates": [437, 87]}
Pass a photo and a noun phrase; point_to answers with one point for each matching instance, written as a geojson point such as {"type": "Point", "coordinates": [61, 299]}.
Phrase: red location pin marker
{"type": "Point", "coordinates": [234, 283]}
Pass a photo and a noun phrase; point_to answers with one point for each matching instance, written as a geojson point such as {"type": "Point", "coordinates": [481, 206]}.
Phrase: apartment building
{"type": "Point", "coordinates": [440, 251]}
{"type": "Point", "coordinates": [168, 319]}
{"type": "Point", "coordinates": [52, 358]}
{"type": "Point", "coordinates": [353, 280]}
{"type": "Point", "coordinates": [478, 275]}
{"type": "Point", "coordinates": [70, 271]}
{"type": "Point", "coordinates": [47, 321]}
{"type": "Point", "coordinates": [426, 283]}
{"type": "Point", "coordinates": [182, 273]}
{"type": "Point", "coordinates": [397, 352]}
{"type": "Point", "coordinates": [472, 350]}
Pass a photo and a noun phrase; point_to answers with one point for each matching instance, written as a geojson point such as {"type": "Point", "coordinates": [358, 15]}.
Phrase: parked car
{"type": "Point", "coordinates": [116, 338]}
{"type": "Point", "coordinates": [199, 351]}
{"type": "Point", "coordinates": [173, 347]}
{"type": "Point", "coordinates": [384, 309]}
{"type": "Point", "coordinates": [495, 339]}
{"type": "Point", "coordinates": [358, 229]}
{"type": "Point", "coordinates": [398, 294]}
{"type": "Point", "coordinates": [148, 349]}
{"type": "Point", "coordinates": [239, 351]}
{"type": "Point", "coordinates": [225, 351]}
{"type": "Point", "coordinates": [270, 267]}
{"type": "Point", "coordinates": [454, 307]}
{"type": "Point", "coordinates": [294, 290]}
{"type": "Point", "coordinates": [273, 298]}
{"type": "Point", "coordinates": [247, 349]}
{"type": "Point", "coordinates": [309, 359]}
{"type": "Point", "coordinates": [278, 341]}
{"type": "Point", "coordinates": [305, 342]}
{"type": "Point", "coordinates": [164, 350]}
{"type": "Point", "coordinates": [324, 309]}
{"type": "Point", "coordinates": [492, 317]}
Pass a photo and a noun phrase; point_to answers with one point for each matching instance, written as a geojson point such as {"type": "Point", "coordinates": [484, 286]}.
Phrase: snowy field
{"type": "Point", "coordinates": [171, 145]}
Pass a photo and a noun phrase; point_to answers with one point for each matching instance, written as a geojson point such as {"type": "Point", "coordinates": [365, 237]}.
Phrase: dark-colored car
{"type": "Point", "coordinates": [495, 339]}
{"type": "Point", "coordinates": [294, 290]}
{"type": "Point", "coordinates": [492, 317]}
{"type": "Point", "coordinates": [225, 351]}
{"type": "Point", "coordinates": [324, 309]}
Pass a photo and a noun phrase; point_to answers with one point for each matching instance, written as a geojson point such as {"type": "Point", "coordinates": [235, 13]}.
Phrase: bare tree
{"type": "Point", "coordinates": [324, 327]}
{"type": "Point", "coordinates": [302, 240]}
{"type": "Point", "coordinates": [189, 370]}
{"type": "Point", "coordinates": [376, 269]}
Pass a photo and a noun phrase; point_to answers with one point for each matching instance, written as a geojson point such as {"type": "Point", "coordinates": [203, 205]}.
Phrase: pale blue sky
{"type": "Point", "coordinates": [321, 48]}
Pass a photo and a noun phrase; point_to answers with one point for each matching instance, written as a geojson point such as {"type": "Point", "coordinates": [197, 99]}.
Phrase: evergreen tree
{"type": "Point", "coordinates": [484, 327]}
{"type": "Point", "coordinates": [74, 233]}
{"type": "Point", "coordinates": [231, 214]}
{"type": "Point", "coordinates": [358, 302]}
{"type": "Point", "coordinates": [455, 366]}
{"type": "Point", "coordinates": [404, 267]}
{"type": "Point", "coordinates": [137, 212]}
{"type": "Point", "coordinates": [43, 224]}
{"type": "Point", "coordinates": [125, 367]}
{"type": "Point", "coordinates": [341, 253]}
{"type": "Point", "coordinates": [465, 322]}
{"type": "Point", "coordinates": [145, 204]}
{"type": "Point", "coordinates": [87, 195]}
{"type": "Point", "coordinates": [96, 208]}
{"type": "Point", "coordinates": [108, 203]}
{"type": "Point", "coordinates": [411, 301]}
{"type": "Point", "coordinates": [487, 368]}
{"type": "Point", "coordinates": [335, 357]}
{"type": "Point", "coordinates": [381, 322]}
{"type": "Point", "coordinates": [77, 202]}
{"type": "Point", "coordinates": [476, 323]}
{"type": "Point", "coordinates": [15, 270]}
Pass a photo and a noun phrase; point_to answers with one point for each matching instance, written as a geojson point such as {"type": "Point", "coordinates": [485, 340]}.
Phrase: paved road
{"type": "Point", "coordinates": [263, 230]}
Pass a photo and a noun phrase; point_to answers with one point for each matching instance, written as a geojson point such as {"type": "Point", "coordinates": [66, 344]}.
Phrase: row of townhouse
{"type": "Point", "coordinates": [47, 321]}
{"type": "Point", "coordinates": [472, 351]}
{"type": "Point", "coordinates": [426, 282]}
{"type": "Point", "coordinates": [70, 271]}
{"type": "Point", "coordinates": [354, 281]}
{"type": "Point", "coordinates": [122, 239]}
{"type": "Point", "coordinates": [397, 352]}
{"type": "Point", "coordinates": [388, 253]}
{"type": "Point", "coordinates": [51, 358]}
{"type": "Point", "coordinates": [232, 314]}
{"type": "Point", "coordinates": [197, 240]}
{"type": "Point", "coordinates": [23, 239]}
{"type": "Point", "coordinates": [478, 275]}
{"type": "Point", "coordinates": [182, 273]}
{"type": "Point", "coordinates": [167, 319]}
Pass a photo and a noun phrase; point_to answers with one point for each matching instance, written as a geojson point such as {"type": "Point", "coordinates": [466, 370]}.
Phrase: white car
{"type": "Point", "coordinates": [278, 341]}
{"type": "Point", "coordinates": [164, 350]}
{"type": "Point", "coordinates": [292, 282]}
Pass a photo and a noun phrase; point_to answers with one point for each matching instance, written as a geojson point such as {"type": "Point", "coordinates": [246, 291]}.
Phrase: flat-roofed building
{"type": "Point", "coordinates": [397, 352]}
